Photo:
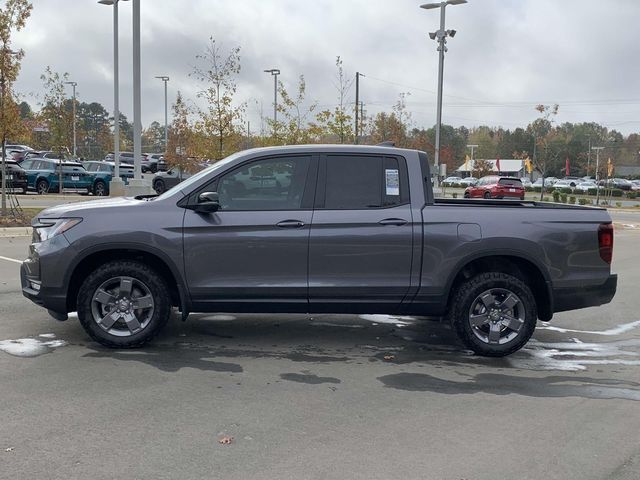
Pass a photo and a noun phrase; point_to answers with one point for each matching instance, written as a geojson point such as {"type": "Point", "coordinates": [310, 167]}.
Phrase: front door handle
{"type": "Point", "coordinates": [393, 221]}
{"type": "Point", "coordinates": [290, 224]}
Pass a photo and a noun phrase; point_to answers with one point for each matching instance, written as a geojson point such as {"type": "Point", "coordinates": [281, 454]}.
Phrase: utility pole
{"type": "Point", "coordinates": [357, 129]}
{"type": "Point", "coordinates": [274, 72]}
{"type": "Point", "coordinates": [589, 156]}
{"type": "Point", "coordinates": [74, 85]}
{"type": "Point", "coordinates": [441, 37]}
{"type": "Point", "coordinates": [597, 149]}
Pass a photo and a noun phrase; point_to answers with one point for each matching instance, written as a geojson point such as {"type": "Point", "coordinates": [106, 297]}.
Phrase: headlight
{"type": "Point", "coordinates": [47, 228]}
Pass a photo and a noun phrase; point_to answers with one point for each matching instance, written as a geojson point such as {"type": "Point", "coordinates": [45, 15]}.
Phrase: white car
{"type": "Point", "coordinates": [563, 184]}
{"type": "Point", "coordinates": [453, 181]}
{"type": "Point", "coordinates": [584, 187]}
{"type": "Point", "coordinates": [468, 182]}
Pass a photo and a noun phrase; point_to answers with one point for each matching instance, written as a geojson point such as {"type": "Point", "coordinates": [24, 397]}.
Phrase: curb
{"type": "Point", "coordinates": [15, 232]}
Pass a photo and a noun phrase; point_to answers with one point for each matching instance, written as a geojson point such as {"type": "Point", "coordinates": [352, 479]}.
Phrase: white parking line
{"type": "Point", "coordinates": [10, 259]}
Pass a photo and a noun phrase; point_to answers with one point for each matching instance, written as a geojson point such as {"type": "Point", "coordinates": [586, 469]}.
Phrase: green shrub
{"type": "Point", "coordinates": [592, 191]}
{"type": "Point", "coordinates": [572, 200]}
{"type": "Point", "coordinates": [566, 190]}
{"type": "Point", "coordinates": [619, 204]}
{"type": "Point", "coordinates": [563, 197]}
{"type": "Point", "coordinates": [454, 195]}
{"type": "Point", "coordinates": [537, 189]}
{"type": "Point", "coordinates": [556, 196]}
{"type": "Point", "coordinates": [616, 192]}
{"type": "Point", "coordinates": [545, 199]}
{"type": "Point", "coordinates": [632, 195]}
{"type": "Point", "coordinates": [528, 189]}
{"type": "Point", "coordinates": [584, 201]}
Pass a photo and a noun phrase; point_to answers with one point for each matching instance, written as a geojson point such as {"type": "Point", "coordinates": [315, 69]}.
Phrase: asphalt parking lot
{"type": "Point", "coordinates": [319, 397]}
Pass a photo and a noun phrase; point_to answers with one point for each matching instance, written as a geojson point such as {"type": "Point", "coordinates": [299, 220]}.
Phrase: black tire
{"type": "Point", "coordinates": [100, 189]}
{"type": "Point", "coordinates": [158, 290]}
{"type": "Point", "coordinates": [468, 293]}
{"type": "Point", "coordinates": [42, 186]}
{"type": "Point", "coordinates": [487, 195]}
{"type": "Point", "coordinates": [467, 195]}
{"type": "Point", "coordinates": [159, 186]}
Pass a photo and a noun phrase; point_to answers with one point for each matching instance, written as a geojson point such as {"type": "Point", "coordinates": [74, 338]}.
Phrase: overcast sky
{"type": "Point", "coordinates": [507, 56]}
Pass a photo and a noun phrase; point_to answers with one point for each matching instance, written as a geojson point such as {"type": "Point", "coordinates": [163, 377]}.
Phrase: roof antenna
{"type": "Point", "coordinates": [386, 143]}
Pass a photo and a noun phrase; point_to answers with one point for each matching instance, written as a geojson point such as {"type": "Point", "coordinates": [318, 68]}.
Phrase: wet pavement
{"type": "Point", "coordinates": [318, 397]}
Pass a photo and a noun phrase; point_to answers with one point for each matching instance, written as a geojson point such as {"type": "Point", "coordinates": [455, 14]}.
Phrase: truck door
{"type": "Point", "coordinates": [360, 247]}
{"type": "Point", "coordinates": [252, 253]}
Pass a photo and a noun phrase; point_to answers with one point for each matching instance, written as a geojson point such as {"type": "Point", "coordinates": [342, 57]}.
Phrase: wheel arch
{"type": "Point", "coordinates": [517, 264]}
{"type": "Point", "coordinates": [157, 260]}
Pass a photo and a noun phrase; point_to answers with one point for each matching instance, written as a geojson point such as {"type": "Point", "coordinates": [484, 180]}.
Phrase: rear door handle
{"type": "Point", "coordinates": [290, 224]}
{"type": "Point", "coordinates": [393, 221]}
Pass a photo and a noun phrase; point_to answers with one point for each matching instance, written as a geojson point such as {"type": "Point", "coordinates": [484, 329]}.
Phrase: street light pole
{"type": "Point", "coordinates": [597, 149]}
{"type": "Point", "coordinates": [441, 37]}
{"type": "Point", "coordinates": [116, 94]}
{"type": "Point", "coordinates": [137, 103]}
{"type": "Point", "coordinates": [165, 79]}
{"type": "Point", "coordinates": [74, 85]}
{"type": "Point", "coordinates": [274, 72]}
{"type": "Point", "coordinates": [357, 129]}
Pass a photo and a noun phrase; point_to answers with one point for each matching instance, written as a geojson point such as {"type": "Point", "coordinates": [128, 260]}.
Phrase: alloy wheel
{"type": "Point", "coordinates": [496, 316]}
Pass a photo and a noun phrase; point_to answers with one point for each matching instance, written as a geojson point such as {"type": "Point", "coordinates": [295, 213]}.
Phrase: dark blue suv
{"type": "Point", "coordinates": [43, 175]}
{"type": "Point", "coordinates": [103, 172]}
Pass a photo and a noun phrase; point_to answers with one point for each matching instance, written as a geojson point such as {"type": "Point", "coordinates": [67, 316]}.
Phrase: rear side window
{"type": "Point", "coordinates": [360, 182]}
{"type": "Point", "coordinates": [510, 182]}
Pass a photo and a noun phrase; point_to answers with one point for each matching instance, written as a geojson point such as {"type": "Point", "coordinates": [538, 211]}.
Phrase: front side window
{"type": "Point", "coordinates": [269, 184]}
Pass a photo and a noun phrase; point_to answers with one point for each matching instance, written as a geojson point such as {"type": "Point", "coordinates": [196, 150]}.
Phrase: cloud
{"type": "Point", "coordinates": [506, 57]}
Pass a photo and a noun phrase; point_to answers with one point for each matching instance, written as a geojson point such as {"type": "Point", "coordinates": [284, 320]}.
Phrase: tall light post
{"type": "Point", "coordinates": [137, 102]}
{"type": "Point", "coordinates": [274, 72]}
{"type": "Point", "coordinates": [472, 147]}
{"type": "Point", "coordinates": [119, 188]}
{"type": "Point", "coordinates": [165, 79]}
{"type": "Point", "coordinates": [357, 129]}
{"type": "Point", "coordinates": [441, 37]}
{"type": "Point", "coordinates": [75, 145]}
{"type": "Point", "coordinates": [5, 52]}
{"type": "Point", "coordinates": [597, 149]}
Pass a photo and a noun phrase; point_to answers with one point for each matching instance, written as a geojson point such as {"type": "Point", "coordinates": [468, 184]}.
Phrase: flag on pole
{"type": "Point", "coordinates": [498, 164]}
{"type": "Point", "coordinates": [609, 167]}
{"type": "Point", "coordinates": [567, 167]}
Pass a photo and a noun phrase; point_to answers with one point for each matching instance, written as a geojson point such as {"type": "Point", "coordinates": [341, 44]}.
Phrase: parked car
{"type": "Point", "coordinates": [491, 269]}
{"type": "Point", "coordinates": [620, 183]}
{"type": "Point", "coordinates": [103, 172]}
{"type": "Point", "coordinates": [573, 181]}
{"type": "Point", "coordinates": [156, 162]}
{"type": "Point", "coordinates": [452, 181]}
{"type": "Point", "coordinates": [584, 187]}
{"type": "Point", "coordinates": [146, 166]}
{"type": "Point", "coordinates": [565, 184]}
{"type": "Point", "coordinates": [468, 181]}
{"type": "Point", "coordinates": [635, 185]}
{"type": "Point", "coordinates": [493, 186]}
{"type": "Point", "coordinates": [16, 177]}
{"type": "Point", "coordinates": [163, 181]}
{"type": "Point", "coordinates": [43, 175]}
{"type": "Point", "coordinates": [526, 182]}
{"type": "Point", "coordinates": [548, 182]}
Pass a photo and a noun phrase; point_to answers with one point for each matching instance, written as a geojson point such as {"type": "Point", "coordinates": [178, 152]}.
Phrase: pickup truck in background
{"type": "Point", "coordinates": [353, 229]}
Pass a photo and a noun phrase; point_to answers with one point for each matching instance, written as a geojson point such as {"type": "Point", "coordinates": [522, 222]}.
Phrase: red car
{"type": "Point", "coordinates": [494, 186]}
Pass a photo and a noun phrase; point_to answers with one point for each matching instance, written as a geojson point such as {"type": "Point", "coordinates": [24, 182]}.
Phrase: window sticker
{"type": "Point", "coordinates": [392, 181]}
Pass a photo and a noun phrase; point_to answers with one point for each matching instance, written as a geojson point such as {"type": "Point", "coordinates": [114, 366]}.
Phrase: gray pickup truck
{"type": "Point", "coordinates": [319, 228]}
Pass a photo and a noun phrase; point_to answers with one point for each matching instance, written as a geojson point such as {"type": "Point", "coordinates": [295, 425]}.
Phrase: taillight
{"type": "Point", "coordinates": [605, 241]}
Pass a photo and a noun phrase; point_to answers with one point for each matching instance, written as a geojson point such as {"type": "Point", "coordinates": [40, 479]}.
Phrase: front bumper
{"type": "Point", "coordinates": [591, 296]}
{"type": "Point", "coordinates": [46, 297]}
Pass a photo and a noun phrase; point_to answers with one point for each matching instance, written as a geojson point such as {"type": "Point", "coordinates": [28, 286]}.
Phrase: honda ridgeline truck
{"type": "Point", "coordinates": [319, 229]}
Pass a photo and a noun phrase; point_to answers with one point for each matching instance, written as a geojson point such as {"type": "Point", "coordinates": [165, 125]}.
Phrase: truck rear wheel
{"type": "Point", "coordinates": [123, 304]}
{"type": "Point", "coordinates": [494, 314]}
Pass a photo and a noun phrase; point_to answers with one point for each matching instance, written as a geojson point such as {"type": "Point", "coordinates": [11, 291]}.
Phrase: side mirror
{"type": "Point", "coordinates": [208, 202]}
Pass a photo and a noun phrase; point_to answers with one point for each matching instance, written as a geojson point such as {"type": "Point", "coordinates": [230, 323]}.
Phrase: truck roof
{"type": "Point", "coordinates": [332, 148]}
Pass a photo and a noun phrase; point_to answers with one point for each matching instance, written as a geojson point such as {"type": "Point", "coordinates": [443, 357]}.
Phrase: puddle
{"type": "Point", "coordinates": [341, 325]}
{"type": "Point", "coordinates": [31, 347]}
{"type": "Point", "coordinates": [308, 378]}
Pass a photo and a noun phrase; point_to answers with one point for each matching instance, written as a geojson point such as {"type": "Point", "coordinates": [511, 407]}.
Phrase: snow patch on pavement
{"type": "Point", "coordinates": [398, 321]}
{"type": "Point", "coordinates": [620, 329]}
{"type": "Point", "coordinates": [30, 347]}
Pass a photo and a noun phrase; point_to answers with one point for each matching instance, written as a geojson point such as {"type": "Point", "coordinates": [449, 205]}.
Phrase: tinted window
{"type": "Point", "coordinates": [90, 167]}
{"type": "Point", "coordinates": [105, 168]}
{"type": "Point", "coordinates": [26, 164]}
{"type": "Point", "coordinates": [360, 182]}
{"type": "Point", "coordinates": [510, 182]}
{"type": "Point", "coordinates": [270, 184]}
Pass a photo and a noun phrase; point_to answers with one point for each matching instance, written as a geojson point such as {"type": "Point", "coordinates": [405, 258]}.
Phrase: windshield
{"type": "Point", "coordinates": [184, 187]}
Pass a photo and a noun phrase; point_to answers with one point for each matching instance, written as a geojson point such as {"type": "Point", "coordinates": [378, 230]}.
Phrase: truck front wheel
{"type": "Point", "coordinates": [494, 314]}
{"type": "Point", "coordinates": [123, 304]}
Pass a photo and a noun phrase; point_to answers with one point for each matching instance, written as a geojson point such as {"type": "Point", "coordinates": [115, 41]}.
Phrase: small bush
{"type": "Point", "coordinates": [563, 197]}
{"type": "Point", "coordinates": [556, 196]}
{"type": "Point", "coordinates": [566, 190]}
{"type": "Point", "coordinates": [592, 191]}
{"type": "Point", "coordinates": [537, 189]}
{"type": "Point", "coordinates": [632, 195]}
{"type": "Point", "coordinates": [454, 195]}
{"type": "Point", "coordinates": [584, 201]}
{"type": "Point", "coordinates": [545, 199]}
{"type": "Point", "coordinates": [616, 192]}
{"type": "Point", "coordinates": [529, 189]}
{"type": "Point", "coordinates": [572, 200]}
{"type": "Point", "coordinates": [619, 204]}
